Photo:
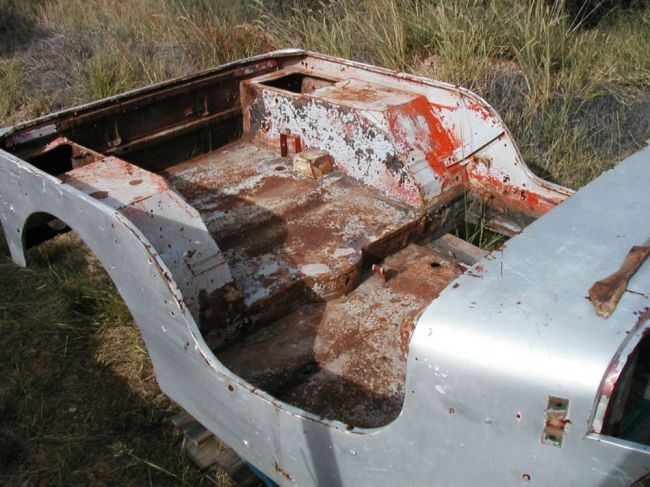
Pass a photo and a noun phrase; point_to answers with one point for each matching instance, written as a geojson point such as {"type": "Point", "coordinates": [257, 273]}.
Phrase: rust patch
{"type": "Point", "coordinates": [435, 141]}
{"type": "Point", "coordinates": [286, 235]}
{"type": "Point", "coordinates": [100, 195]}
{"type": "Point", "coordinates": [282, 471]}
{"type": "Point", "coordinates": [284, 143]}
{"type": "Point", "coordinates": [606, 293]}
{"type": "Point", "coordinates": [643, 316]}
{"type": "Point", "coordinates": [345, 358]}
{"type": "Point", "coordinates": [505, 196]}
{"type": "Point", "coordinates": [556, 421]}
{"type": "Point", "coordinates": [219, 311]}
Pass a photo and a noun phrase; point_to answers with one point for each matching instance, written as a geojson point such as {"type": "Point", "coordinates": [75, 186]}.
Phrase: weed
{"type": "Point", "coordinates": [10, 87]}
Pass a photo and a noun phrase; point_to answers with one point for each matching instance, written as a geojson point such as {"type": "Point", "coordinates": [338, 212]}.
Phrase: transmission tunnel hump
{"type": "Point", "coordinates": [175, 230]}
{"type": "Point", "coordinates": [288, 238]}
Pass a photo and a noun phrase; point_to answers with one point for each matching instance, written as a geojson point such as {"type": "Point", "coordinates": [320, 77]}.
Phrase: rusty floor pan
{"type": "Point", "coordinates": [328, 334]}
{"type": "Point", "coordinates": [345, 359]}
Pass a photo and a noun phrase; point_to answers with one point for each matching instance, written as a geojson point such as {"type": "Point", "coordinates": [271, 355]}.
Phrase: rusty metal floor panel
{"type": "Point", "coordinates": [346, 359]}
{"type": "Point", "coordinates": [288, 238]}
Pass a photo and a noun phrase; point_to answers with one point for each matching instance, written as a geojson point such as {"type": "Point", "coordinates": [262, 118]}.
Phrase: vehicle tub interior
{"type": "Point", "coordinates": [334, 195]}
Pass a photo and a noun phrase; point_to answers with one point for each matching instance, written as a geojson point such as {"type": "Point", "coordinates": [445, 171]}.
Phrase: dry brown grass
{"type": "Point", "coordinates": [79, 404]}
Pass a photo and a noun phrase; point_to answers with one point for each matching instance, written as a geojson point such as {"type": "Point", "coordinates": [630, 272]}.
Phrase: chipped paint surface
{"type": "Point", "coordinates": [397, 140]}
{"type": "Point", "coordinates": [174, 227]}
{"type": "Point", "coordinates": [357, 148]}
{"type": "Point", "coordinates": [499, 175]}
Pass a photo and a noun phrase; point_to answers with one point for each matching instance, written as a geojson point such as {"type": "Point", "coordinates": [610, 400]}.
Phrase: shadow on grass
{"type": "Point", "coordinates": [79, 403]}
{"type": "Point", "coordinates": [17, 24]}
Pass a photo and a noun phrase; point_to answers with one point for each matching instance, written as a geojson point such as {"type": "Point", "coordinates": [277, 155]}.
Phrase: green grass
{"type": "Point", "coordinates": [79, 403]}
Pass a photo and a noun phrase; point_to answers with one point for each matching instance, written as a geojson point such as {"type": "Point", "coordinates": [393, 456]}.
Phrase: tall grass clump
{"type": "Point", "coordinates": [215, 32]}
{"type": "Point", "coordinates": [10, 87]}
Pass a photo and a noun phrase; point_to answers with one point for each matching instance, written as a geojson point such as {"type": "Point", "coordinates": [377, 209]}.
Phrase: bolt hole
{"type": "Point", "coordinates": [230, 388]}
{"type": "Point", "coordinates": [452, 410]}
{"type": "Point", "coordinates": [518, 416]}
{"type": "Point", "coordinates": [525, 477]}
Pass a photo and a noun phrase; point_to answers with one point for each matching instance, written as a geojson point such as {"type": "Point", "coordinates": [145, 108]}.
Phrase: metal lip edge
{"type": "Point", "coordinates": [618, 442]}
{"type": "Point", "coordinates": [269, 56]}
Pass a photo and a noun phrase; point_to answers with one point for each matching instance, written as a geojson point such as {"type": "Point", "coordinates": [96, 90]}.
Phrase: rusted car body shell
{"type": "Point", "coordinates": [508, 372]}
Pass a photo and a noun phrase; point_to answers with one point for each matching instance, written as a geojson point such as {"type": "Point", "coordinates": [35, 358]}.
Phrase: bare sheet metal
{"type": "Point", "coordinates": [173, 227]}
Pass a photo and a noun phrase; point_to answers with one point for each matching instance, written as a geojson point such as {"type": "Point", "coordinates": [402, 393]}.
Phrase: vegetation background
{"type": "Point", "coordinates": [79, 404]}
